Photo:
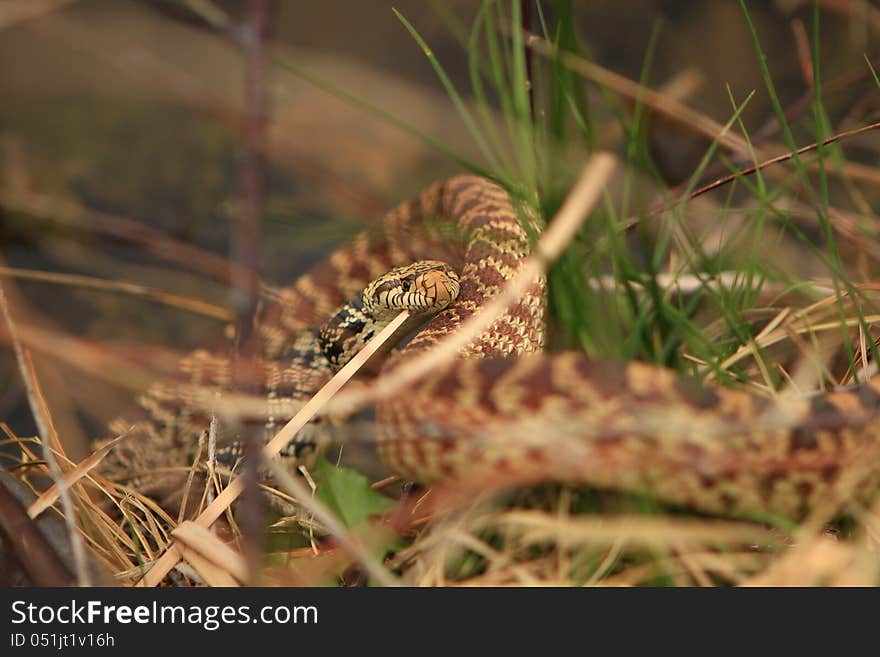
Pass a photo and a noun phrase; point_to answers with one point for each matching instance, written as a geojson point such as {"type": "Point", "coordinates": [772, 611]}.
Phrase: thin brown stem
{"type": "Point", "coordinates": [246, 288]}
{"type": "Point", "coordinates": [781, 158]}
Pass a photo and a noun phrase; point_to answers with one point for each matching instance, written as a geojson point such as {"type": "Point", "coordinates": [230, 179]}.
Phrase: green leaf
{"type": "Point", "coordinates": [348, 494]}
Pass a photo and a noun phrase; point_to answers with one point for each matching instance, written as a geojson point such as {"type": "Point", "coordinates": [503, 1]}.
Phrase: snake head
{"type": "Point", "coordinates": [423, 288]}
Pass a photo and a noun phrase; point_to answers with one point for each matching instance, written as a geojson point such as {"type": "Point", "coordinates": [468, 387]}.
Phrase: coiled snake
{"type": "Point", "coordinates": [505, 408]}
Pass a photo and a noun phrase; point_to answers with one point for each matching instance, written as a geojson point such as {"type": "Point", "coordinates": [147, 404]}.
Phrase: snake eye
{"type": "Point", "coordinates": [406, 285]}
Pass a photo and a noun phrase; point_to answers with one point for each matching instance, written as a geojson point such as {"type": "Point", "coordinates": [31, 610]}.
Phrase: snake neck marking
{"type": "Point", "coordinates": [423, 288]}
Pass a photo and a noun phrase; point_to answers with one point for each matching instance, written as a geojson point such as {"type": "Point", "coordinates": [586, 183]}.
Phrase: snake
{"type": "Point", "coordinates": [507, 408]}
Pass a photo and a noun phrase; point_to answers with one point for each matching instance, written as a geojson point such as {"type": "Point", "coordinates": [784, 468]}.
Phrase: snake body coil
{"type": "Point", "coordinates": [504, 408]}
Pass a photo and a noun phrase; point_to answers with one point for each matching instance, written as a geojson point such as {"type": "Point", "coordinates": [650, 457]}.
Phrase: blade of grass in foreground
{"type": "Point", "coordinates": [462, 109]}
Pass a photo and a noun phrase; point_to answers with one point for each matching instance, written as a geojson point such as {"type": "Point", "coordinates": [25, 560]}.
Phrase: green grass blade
{"type": "Point", "coordinates": [460, 106]}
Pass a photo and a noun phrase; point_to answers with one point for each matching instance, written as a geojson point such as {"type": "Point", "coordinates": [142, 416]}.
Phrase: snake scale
{"type": "Point", "coordinates": [505, 408]}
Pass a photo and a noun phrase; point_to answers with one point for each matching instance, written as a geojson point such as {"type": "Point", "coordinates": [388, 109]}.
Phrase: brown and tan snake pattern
{"type": "Point", "coordinates": [505, 408]}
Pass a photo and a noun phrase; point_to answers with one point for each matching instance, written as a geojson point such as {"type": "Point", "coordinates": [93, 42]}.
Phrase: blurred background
{"type": "Point", "coordinates": [120, 139]}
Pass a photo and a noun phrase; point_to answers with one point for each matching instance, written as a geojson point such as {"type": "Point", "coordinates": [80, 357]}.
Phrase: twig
{"type": "Point", "coordinates": [246, 247]}
{"type": "Point", "coordinates": [661, 208]}
{"type": "Point", "coordinates": [781, 158]}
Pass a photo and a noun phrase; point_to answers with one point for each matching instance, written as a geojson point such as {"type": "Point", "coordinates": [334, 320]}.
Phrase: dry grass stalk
{"type": "Point", "coordinates": [820, 562]}
{"type": "Point", "coordinates": [211, 573]}
{"type": "Point", "coordinates": [50, 495]}
{"type": "Point", "coordinates": [200, 539]}
{"type": "Point", "coordinates": [86, 356]}
{"type": "Point", "coordinates": [134, 289]}
{"type": "Point", "coordinates": [534, 527]}
{"type": "Point", "coordinates": [558, 548]}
